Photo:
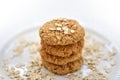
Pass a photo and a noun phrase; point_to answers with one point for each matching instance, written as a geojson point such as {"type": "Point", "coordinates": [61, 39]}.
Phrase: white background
{"type": "Point", "coordinates": [100, 15]}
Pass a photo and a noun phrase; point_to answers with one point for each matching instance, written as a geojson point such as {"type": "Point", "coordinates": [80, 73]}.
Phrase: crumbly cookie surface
{"type": "Point", "coordinates": [61, 32]}
{"type": "Point", "coordinates": [60, 60]}
{"type": "Point", "coordinates": [63, 51]}
{"type": "Point", "coordinates": [63, 69]}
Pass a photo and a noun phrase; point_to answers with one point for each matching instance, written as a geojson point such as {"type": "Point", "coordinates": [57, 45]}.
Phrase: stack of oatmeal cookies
{"type": "Point", "coordinates": [62, 41]}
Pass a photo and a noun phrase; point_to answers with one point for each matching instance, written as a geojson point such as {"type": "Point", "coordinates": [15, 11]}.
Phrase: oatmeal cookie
{"type": "Point", "coordinates": [61, 32]}
{"type": "Point", "coordinates": [59, 60]}
{"type": "Point", "coordinates": [63, 69]}
{"type": "Point", "coordinates": [63, 51]}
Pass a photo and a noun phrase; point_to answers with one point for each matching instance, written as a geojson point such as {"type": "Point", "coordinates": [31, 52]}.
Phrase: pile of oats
{"type": "Point", "coordinates": [95, 75]}
{"type": "Point", "coordinates": [93, 55]}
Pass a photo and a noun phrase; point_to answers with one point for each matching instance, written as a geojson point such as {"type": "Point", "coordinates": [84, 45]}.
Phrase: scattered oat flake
{"type": "Point", "coordinates": [23, 41]}
{"type": "Point", "coordinates": [72, 31]}
{"type": "Point", "coordinates": [99, 55]}
{"type": "Point", "coordinates": [33, 48]}
{"type": "Point", "coordinates": [5, 62]}
{"type": "Point", "coordinates": [56, 24]}
{"type": "Point", "coordinates": [112, 53]}
{"type": "Point", "coordinates": [108, 58]}
{"type": "Point", "coordinates": [65, 28]}
{"type": "Point", "coordinates": [18, 49]}
{"type": "Point", "coordinates": [74, 27]}
{"type": "Point", "coordinates": [65, 32]}
{"type": "Point", "coordinates": [52, 29]}
{"type": "Point", "coordinates": [59, 28]}
{"type": "Point", "coordinates": [1, 77]}
{"type": "Point", "coordinates": [107, 70]}
{"type": "Point", "coordinates": [20, 65]}
{"type": "Point", "coordinates": [113, 63]}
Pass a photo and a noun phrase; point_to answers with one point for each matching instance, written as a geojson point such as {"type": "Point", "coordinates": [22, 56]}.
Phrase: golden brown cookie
{"type": "Point", "coordinates": [60, 60]}
{"type": "Point", "coordinates": [63, 51]}
{"type": "Point", "coordinates": [63, 69]}
{"type": "Point", "coordinates": [61, 32]}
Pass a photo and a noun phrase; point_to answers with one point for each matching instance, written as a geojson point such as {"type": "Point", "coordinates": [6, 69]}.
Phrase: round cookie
{"type": "Point", "coordinates": [61, 32]}
{"type": "Point", "coordinates": [59, 60]}
{"type": "Point", "coordinates": [63, 51]}
{"type": "Point", "coordinates": [63, 69]}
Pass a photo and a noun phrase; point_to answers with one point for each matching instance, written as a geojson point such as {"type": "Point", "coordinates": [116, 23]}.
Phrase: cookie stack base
{"type": "Point", "coordinates": [63, 69]}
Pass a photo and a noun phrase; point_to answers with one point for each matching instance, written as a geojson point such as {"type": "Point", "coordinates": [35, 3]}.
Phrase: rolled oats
{"type": "Point", "coordinates": [34, 69]}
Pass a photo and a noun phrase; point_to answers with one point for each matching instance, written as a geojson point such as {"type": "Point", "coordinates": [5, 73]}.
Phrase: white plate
{"type": "Point", "coordinates": [32, 34]}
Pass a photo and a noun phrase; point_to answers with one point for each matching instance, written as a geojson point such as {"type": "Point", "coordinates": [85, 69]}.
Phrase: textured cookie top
{"type": "Point", "coordinates": [61, 32]}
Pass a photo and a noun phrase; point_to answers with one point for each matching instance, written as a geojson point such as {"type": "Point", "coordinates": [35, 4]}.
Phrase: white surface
{"type": "Point", "coordinates": [18, 15]}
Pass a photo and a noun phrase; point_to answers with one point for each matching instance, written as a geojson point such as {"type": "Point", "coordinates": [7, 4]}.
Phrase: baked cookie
{"type": "Point", "coordinates": [63, 69]}
{"type": "Point", "coordinates": [59, 60]}
{"type": "Point", "coordinates": [61, 32]}
{"type": "Point", "coordinates": [63, 51]}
